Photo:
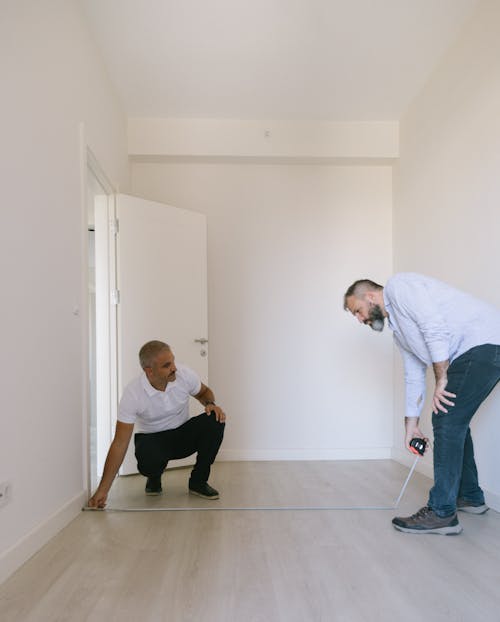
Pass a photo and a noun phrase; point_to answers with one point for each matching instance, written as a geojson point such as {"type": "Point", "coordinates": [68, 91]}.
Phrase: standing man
{"type": "Point", "coordinates": [436, 324]}
{"type": "Point", "coordinates": [157, 402]}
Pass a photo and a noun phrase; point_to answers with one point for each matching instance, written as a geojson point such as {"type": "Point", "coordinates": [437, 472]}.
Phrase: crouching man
{"type": "Point", "coordinates": [157, 403]}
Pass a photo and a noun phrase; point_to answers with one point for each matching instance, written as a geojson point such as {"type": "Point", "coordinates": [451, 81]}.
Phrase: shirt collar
{"type": "Point", "coordinates": [387, 306]}
{"type": "Point", "coordinates": [147, 386]}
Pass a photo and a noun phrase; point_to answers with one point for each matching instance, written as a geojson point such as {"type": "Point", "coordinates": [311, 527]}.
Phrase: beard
{"type": "Point", "coordinates": [376, 319]}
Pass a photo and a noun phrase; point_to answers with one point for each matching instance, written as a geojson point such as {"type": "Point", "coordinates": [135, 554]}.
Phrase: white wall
{"type": "Point", "coordinates": [263, 139]}
{"type": "Point", "coordinates": [52, 79]}
{"type": "Point", "coordinates": [447, 195]}
{"type": "Point", "coordinates": [296, 374]}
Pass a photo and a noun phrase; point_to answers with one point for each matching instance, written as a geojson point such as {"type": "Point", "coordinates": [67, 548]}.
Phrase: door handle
{"type": "Point", "coordinates": [202, 341]}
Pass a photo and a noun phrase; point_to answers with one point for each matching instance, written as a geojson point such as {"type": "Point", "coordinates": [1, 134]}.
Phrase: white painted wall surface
{"type": "Point", "coordinates": [447, 196]}
{"type": "Point", "coordinates": [52, 79]}
{"type": "Point", "coordinates": [245, 138]}
{"type": "Point", "coordinates": [298, 377]}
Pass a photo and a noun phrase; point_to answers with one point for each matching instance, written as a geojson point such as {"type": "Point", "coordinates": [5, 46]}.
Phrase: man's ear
{"type": "Point", "coordinates": [371, 297]}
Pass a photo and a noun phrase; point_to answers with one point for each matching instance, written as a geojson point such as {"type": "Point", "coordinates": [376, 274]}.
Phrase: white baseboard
{"type": "Point", "coordinates": [14, 557]}
{"type": "Point", "coordinates": [493, 500]}
{"type": "Point", "coordinates": [364, 453]}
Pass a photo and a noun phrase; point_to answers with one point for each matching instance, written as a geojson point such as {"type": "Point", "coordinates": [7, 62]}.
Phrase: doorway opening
{"type": "Point", "coordinates": [102, 346]}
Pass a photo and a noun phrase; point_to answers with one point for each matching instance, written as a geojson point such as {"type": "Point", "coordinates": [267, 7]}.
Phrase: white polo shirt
{"type": "Point", "coordinates": [154, 411]}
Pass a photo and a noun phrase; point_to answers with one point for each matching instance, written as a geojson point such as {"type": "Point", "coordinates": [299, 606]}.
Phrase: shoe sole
{"type": "Point", "coordinates": [470, 509]}
{"type": "Point", "coordinates": [155, 493]}
{"type": "Point", "coordinates": [442, 531]}
{"type": "Point", "coordinates": [199, 494]}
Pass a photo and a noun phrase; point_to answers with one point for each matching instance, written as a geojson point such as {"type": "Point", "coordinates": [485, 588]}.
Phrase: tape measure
{"type": "Point", "coordinates": [418, 445]}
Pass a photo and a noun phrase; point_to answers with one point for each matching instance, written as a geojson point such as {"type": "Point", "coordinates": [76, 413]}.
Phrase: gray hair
{"type": "Point", "coordinates": [150, 351]}
{"type": "Point", "coordinates": [359, 288]}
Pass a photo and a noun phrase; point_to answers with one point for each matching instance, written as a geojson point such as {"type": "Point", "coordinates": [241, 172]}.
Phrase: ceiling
{"type": "Point", "coordinates": [337, 60]}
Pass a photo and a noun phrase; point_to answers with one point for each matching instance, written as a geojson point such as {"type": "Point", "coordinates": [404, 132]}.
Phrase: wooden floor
{"type": "Point", "coordinates": [267, 565]}
{"type": "Point", "coordinates": [272, 484]}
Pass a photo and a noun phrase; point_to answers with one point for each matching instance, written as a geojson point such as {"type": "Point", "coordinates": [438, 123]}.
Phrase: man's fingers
{"type": "Point", "coordinates": [439, 400]}
{"type": "Point", "coordinates": [96, 503]}
{"type": "Point", "coordinates": [220, 415]}
{"type": "Point", "coordinates": [438, 406]}
{"type": "Point", "coordinates": [445, 401]}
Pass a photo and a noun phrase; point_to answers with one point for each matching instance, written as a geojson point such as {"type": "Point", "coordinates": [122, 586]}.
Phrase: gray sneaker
{"type": "Point", "coordinates": [471, 508]}
{"type": "Point", "coordinates": [427, 521]}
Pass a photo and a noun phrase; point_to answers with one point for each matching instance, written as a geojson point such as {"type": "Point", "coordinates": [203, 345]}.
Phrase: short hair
{"type": "Point", "coordinates": [150, 351]}
{"type": "Point", "coordinates": [359, 288]}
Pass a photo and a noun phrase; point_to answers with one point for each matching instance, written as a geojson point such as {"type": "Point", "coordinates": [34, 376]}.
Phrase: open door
{"type": "Point", "coordinates": [162, 289]}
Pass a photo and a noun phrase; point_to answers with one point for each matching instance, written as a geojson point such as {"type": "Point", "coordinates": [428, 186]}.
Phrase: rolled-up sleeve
{"type": "Point", "coordinates": [414, 382]}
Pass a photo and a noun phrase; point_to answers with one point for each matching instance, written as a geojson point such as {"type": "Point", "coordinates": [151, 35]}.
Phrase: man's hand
{"type": "Point", "coordinates": [98, 500]}
{"type": "Point", "coordinates": [207, 398]}
{"type": "Point", "coordinates": [114, 459]}
{"type": "Point", "coordinates": [413, 431]}
{"type": "Point", "coordinates": [220, 415]}
{"type": "Point", "coordinates": [441, 396]}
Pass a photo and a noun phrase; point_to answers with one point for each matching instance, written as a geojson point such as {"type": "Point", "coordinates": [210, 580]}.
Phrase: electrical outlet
{"type": "Point", "coordinates": [4, 493]}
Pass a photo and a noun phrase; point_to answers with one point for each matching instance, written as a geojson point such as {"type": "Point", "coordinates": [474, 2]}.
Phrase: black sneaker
{"type": "Point", "coordinates": [153, 486]}
{"type": "Point", "coordinates": [471, 508]}
{"type": "Point", "coordinates": [427, 521]}
{"type": "Point", "coordinates": [203, 490]}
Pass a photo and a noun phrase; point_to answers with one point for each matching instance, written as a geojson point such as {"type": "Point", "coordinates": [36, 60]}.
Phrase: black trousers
{"type": "Point", "coordinates": [201, 435]}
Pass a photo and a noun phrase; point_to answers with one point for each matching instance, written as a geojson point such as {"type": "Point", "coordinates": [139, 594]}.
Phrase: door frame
{"type": "Point", "coordinates": [89, 162]}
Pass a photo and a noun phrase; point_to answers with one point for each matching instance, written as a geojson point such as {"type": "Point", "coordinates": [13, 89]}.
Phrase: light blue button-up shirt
{"type": "Point", "coordinates": [433, 322]}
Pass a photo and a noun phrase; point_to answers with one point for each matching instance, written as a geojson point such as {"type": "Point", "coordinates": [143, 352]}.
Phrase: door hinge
{"type": "Point", "coordinates": [114, 226]}
{"type": "Point", "coordinates": [115, 296]}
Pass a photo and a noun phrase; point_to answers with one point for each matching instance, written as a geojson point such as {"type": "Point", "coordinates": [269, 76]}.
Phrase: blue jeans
{"type": "Point", "coordinates": [472, 377]}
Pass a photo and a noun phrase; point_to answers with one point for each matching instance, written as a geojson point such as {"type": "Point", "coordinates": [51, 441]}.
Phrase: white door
{"type": "Point", "coordinates": [162, 284]}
